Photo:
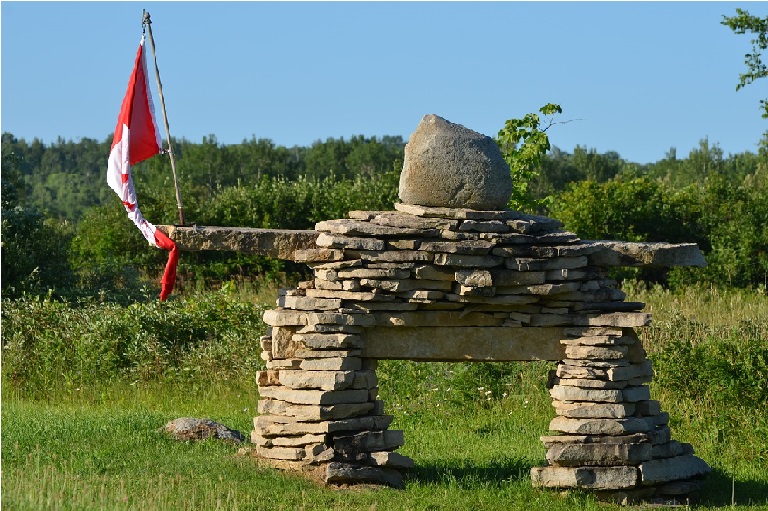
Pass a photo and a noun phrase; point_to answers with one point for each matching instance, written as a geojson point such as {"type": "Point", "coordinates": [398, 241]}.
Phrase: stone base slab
{"type": "Point", "coordinates": [672, 469]}
{"type": "Point", "coordinates": [593, 478]}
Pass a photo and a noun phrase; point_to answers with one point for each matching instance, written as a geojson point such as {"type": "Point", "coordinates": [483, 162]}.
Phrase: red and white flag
{"type": "Point", "coordinates": [136, 139]}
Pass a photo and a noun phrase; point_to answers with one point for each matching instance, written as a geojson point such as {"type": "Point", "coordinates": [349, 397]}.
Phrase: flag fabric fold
{"type": "Point", "coordinates": [137, 138]}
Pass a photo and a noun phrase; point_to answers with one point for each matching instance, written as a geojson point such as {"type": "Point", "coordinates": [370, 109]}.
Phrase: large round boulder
{"type": "Point", "coordinates": [448, 165]}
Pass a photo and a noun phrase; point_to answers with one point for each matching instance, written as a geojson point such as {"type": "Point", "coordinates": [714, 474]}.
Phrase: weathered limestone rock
{"type": "Point", "coordinates": [598, 426]}
{"type": "Point", "coordinates": [566, 393]}
{"type": "Point", "coordinates": [668, 450]}
{"type": "Point", "coordinates": [390, 459]}
{"type": "Point", "coordinates": [634, 438]}
{"type": "Point", "coordinates": [331, 364]}
{"type": "Point", "coordinates": [345, 473]}
{"type": "Point", "coordinates": [280, 425]}
{"type": "Point", "coordinates": [314, 397]}
{"type": "Point", "coordinates": [633, 394]}
{"type": "Point", "coordinates": [590, 410]}
{"type": "Point", "coordinates": [286, 441]}
{"type": "Point", "coordinates": [619, 253]}
{"type": "Point", "coordinates": [587, 383]}
{"type": "Point", "coordinates": [469, 247]}
{"type": "Point", "coordinates": [596, 352]}
{"type": "Point", "coordinates": [648, 407]}
{"type": "Point", "coordinates": [327, 241]}
{"type": "Point", "coordinates": [353, 228]}
{"type": "Point", "coordinates": [277, 243]}
{"type": "Point", "coordinates": [281, 453]}
{"type": "Point", "coordinates": [487, 226]}
{"type": "Point", "coordinates": [190, 428]}
{"type": "Point", "coordinates": [308, 303]}
{"type": "Point", "coordinates": [317, 255]}
{"type": "Point", "coordinates": [485, 343]}
{"type": "Point", "coordinates": [476, 278]}
{"type": "Point", "coordinates": [324, 380]}
{"type": "Point", "coordinates": [594, 478]}
{"type": "Point", "coordinates": [448, 165]}
{"type": "Point", "coordinates": [369, 441]}
{"type": "Point", "coordinates": [669, 469]}
{"type": "Point", "coordinates": [313, 412]}
{"type": "Point", "coordinates": [329, 341]}
{"type": "Point", "coordinates": [558, 263]}
{"type": "Point", "coordinates": [602, 454]}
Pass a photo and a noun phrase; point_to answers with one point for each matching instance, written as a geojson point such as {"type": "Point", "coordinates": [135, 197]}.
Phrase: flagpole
{"type": "Point", "coordinates": [146, 22]}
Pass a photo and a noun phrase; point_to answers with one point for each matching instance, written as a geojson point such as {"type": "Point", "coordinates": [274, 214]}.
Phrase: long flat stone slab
{"type": "Point", "coordinates": [625, 253]}
{"type": "Point", "coordinates": [595, 478]}
{"type": "Point", "coordinates": [283, 243]}
{"type": "Point", "coordinates": [462, 344]}
{"type": "Point", "coordinates": [275, 243]}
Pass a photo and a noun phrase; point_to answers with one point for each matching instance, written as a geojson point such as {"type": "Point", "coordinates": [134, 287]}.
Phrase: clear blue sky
{"type": "Point", "coordinates": [638, 78]}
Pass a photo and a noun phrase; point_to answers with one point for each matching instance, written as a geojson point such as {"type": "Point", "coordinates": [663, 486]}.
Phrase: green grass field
{"type": "Point", "coordinates": [73, 442]}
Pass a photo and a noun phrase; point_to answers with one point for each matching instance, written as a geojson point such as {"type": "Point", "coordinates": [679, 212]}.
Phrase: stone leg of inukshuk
{"type": "Point", "coordinates": [613, 437]}
{"type": "Point", "coordinates": [318, 403]}
{"type": "Point", "coordinates": [436, 280]}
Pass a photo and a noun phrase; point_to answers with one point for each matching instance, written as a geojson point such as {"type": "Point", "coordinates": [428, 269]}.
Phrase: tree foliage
{"type": "Point", "coordinates": [523, 142]}
{"type": "Point", "coordinates": [743, 23]}
{"type": "Point", "coordinates": [34, 249]}
{"type": "Point", "coordinates": [724, 211]}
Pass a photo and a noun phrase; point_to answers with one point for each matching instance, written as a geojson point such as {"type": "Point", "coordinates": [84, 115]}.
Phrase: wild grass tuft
{"type": "Point", "coordinates": [58, 345]}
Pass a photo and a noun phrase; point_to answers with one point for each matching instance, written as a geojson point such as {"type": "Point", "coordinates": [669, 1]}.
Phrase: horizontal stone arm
{"type": "Point", "coordinates": [627, 253]}
{"type": "Point", "coordinates": [283, 244]}
{"type": "Point", "coordinates": [275, 243]}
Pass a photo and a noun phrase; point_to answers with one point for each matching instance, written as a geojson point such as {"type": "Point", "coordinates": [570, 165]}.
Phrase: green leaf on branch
{"type": "Point", "coordinates": [523, 142]}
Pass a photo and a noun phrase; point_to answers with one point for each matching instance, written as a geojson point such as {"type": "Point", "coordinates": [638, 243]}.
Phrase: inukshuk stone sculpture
{"type": "Point", "coordinates": [452, 275]}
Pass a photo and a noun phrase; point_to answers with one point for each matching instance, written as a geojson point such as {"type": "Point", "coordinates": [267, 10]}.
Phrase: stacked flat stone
{"type": "Point", "coordinates": [386, 284]}
{"type": "Point", "coordinates": [612, 437]}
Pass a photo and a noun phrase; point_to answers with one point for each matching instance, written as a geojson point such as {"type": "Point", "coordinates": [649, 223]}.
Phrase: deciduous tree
{"type": "Point", "coordinates": [743, 23]}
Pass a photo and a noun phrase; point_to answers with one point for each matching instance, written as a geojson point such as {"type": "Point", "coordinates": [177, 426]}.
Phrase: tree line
{"type": "Point", "coordinates": [66, 178]}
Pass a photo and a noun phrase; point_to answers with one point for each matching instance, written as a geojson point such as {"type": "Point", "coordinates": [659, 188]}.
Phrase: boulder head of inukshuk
{"type": "Point", "coordinates": [448, 165]}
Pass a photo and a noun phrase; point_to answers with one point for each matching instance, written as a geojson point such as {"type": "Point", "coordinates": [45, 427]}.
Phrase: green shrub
{"type": "Point", "coordinates": [729, 364]}
{"type": "Point", "coordinates": [57, 344]}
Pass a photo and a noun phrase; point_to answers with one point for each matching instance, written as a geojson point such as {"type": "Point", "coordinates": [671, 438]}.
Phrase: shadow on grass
{"type": "Point", "coordinates": [467, 474]}
{"type": "Point", "coordinates": [719, 490]}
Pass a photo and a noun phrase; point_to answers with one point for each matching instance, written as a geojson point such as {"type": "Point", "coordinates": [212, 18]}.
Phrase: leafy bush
{"type": "Point", "coordinates": [275, 203]}
{"type": "Point", "coordinates": [729, 364]}
{"type": "Point", "coordinates": [34, 248]}
{"type": "Point", "coordinates": [727, 218]}
{"type": "Point", "coordinates": [56, 344]}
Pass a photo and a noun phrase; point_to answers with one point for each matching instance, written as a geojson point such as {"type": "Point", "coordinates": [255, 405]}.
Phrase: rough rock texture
{"type": "Point", "coordinates": [277, 243]}
{"type": "Point", "coordinates": [189, 428]}
{"type": "Point", "coordinates": [448, 165]}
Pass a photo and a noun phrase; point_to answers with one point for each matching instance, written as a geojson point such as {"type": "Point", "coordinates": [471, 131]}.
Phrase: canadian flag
{"type": "Point", "coordinates": [136, 139]}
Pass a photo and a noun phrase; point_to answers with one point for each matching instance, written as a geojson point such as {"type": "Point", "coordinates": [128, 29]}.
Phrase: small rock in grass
{"type": "Point", "coordinates": [189, 428]}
